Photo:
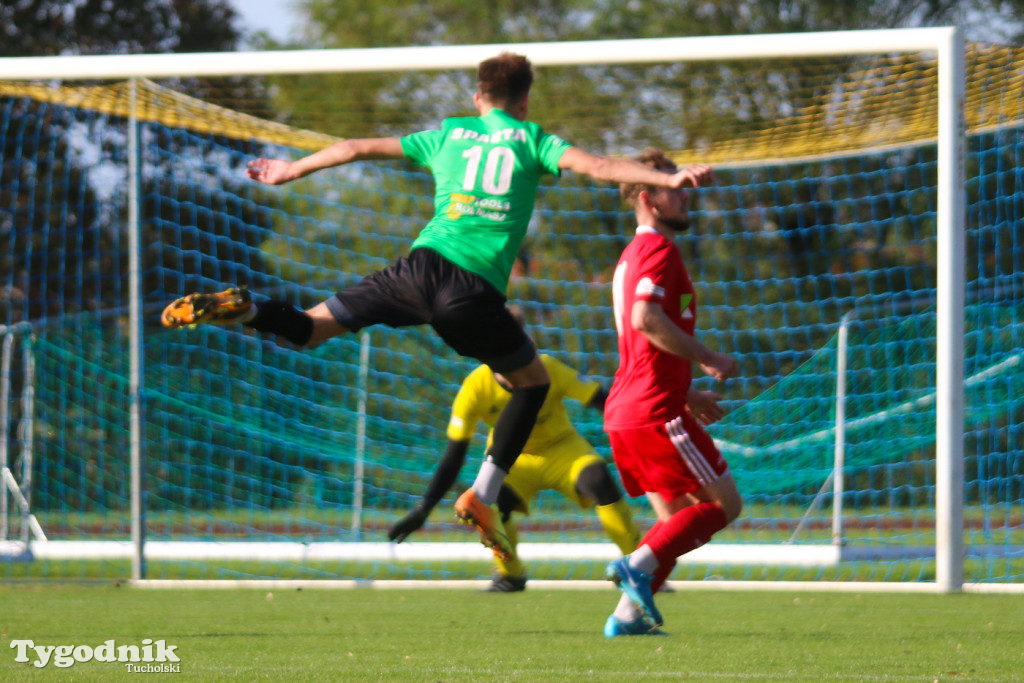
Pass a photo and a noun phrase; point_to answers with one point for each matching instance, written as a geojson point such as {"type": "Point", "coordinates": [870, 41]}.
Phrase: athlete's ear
{"type": "Point", "coordinates": [478, 101]}
{"type": "Point", "coordinates": [644, 199]}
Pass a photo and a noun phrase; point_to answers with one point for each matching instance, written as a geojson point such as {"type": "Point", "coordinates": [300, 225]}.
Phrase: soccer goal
{"type": "Point", "coordinates": [861, 255]}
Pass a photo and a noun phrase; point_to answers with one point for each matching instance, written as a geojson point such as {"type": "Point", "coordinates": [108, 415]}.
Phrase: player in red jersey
{"type": "Point", "coordinates": [653, 415]}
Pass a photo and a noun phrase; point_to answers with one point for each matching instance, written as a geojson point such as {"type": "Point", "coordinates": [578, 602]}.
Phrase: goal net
{"type": "Point", "coordinates": [815, 257]}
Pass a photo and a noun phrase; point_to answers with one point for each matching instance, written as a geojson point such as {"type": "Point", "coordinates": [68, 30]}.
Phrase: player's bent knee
{"type": "Point", "coordinates": [724, 492]}
{"type": "Point", "coordinates": [732, 506]}
{"type": "Point", "coordinates": [595, 482]}
{"type": "Point", "coordinates": [325, 324]}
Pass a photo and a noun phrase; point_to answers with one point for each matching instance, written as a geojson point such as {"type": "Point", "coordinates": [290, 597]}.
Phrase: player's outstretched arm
{"type": "Point", "coordinates": [619, 170]}
{"type": "Point", "coordinates": [444, 476]}
{"type": "Point", "coordinates": [694, 175]}
{"type": "Point", "coordinates": [279, 171]}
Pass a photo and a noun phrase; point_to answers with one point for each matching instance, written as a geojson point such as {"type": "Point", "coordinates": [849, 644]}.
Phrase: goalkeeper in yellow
{"type": "Point", "coordinates": [555, 457]}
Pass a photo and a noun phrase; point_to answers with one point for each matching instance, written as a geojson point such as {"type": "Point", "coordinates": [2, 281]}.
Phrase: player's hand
{"type": "Point", "coordinates": [408, 524]}
{"type": "Point", "coordinates": [720, 366]}
{"type": "Point", "coordinates": [695, 175]}
{"type": "Point", "coordinates": [271, 171]}
{"type": "Point", "coordinates": [703, 406]}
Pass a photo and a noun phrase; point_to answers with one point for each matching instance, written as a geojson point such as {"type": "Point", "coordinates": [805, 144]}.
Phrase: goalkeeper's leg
{"type": "Point", "coordinates": [511, 573]}
{"type": "Point", "coordinates": [511, 576]}
{"type": "Point", "coordinates": [595, 482]}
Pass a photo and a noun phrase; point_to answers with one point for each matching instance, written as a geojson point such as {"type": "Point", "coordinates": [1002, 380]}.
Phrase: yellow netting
{"type": "Point", "coordinates": [884, 107]}
{"type": "Point", "coordinates": [168, 107]}
{"type": "Point", "coordinates": [890, 102]}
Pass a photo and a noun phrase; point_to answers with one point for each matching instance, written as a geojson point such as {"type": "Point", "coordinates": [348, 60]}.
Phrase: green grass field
{"type": "Point", "coordinates": [540, 635]}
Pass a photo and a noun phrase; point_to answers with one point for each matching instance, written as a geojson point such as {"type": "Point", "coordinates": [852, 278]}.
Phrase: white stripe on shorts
{"type": "Point", "coordinates": [690, 454]}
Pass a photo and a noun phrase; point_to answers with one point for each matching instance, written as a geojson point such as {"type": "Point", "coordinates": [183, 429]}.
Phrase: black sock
{"type": "Point", "coordinates": [284, 320]}
{"type": "Point", "coordinates": [515, 423]}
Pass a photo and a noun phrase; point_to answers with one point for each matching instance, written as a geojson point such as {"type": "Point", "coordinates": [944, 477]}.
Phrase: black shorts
{"type": "Point", "coordinates": [425, 288]}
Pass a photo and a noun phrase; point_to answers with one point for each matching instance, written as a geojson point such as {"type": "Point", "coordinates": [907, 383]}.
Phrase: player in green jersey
{"type": "Point", "coordinates": [486, 171]}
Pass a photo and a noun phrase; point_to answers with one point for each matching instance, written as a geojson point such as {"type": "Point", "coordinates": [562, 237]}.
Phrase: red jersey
{"type": "Point", "coordinates": [650, 385]}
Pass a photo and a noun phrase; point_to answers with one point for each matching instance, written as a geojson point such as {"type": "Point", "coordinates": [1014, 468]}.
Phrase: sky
{"type": "Point", "coordinates": [273, 16]}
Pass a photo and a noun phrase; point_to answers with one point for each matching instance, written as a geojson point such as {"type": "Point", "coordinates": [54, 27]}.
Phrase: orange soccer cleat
{"type": "Point", "coordinates": [487, 520]}
{"type": "Point", "coordinates": [222, 307]}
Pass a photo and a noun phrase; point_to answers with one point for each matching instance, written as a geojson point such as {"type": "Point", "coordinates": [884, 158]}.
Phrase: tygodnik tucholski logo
{"type": "Point", "coordinates": [152, 656]}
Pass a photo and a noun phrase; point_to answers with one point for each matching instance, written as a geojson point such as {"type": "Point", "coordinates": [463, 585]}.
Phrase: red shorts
{"type": "Point", "coordinates": [671, 459]}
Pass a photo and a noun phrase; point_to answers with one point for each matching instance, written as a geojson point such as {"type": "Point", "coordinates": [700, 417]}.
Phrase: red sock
{"type": "Point", "coordinates": [661, 575]}
{"type": "Point", "coordinates": [651, 533]}
{"type": "Point", "coordinates": [684, 531]}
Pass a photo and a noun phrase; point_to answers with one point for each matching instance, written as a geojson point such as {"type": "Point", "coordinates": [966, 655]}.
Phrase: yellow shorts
{"type": "Point", "coordinates": [555, 468]}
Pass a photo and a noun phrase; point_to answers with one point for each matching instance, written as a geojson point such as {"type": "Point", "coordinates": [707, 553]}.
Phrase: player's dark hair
{"type": "Point", "coordinates": [504, 79]}
{"type": "Point", "coordinates": [655, 158]}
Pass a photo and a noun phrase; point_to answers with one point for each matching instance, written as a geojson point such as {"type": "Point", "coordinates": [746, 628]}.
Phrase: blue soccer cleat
{"type": "Point", "coordinates": [636, 585]}
{"type": "Point", "coordinates": [641, 626]}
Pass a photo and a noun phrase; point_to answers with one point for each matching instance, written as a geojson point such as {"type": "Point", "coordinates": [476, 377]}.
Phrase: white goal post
{"type": "Point", "coordinates": [946, 42]}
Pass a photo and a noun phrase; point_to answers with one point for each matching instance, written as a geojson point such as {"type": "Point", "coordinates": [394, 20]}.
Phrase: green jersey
{"type": "Point", "coordinates": [486, 172]}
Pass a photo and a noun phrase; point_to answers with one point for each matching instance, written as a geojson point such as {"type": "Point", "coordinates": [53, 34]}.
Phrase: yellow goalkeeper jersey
{"type": "Point", "coordinates": [482, 398]}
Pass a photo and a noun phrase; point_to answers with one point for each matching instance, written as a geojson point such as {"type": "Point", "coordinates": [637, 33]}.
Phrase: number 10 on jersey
{"type": "Point", "coordinates": [497, 176]}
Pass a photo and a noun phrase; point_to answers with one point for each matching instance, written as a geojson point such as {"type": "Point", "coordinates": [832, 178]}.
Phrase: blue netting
{"type": "Point", "coordinates": [247, 438]}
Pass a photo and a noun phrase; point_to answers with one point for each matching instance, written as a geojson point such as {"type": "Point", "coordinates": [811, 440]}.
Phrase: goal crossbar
{"type": "Point", "coordinates": [357, 60]}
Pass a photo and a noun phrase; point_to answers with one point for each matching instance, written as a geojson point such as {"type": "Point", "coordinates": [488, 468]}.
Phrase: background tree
{"type": "Point", "coordinates": [74, 217]}
{"type": "Point", "coordinates": [63, 215]}
{"type": "Point", "coordinates": [359, 105]}
{"type": "Point", "coordinates": [40, 28]}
